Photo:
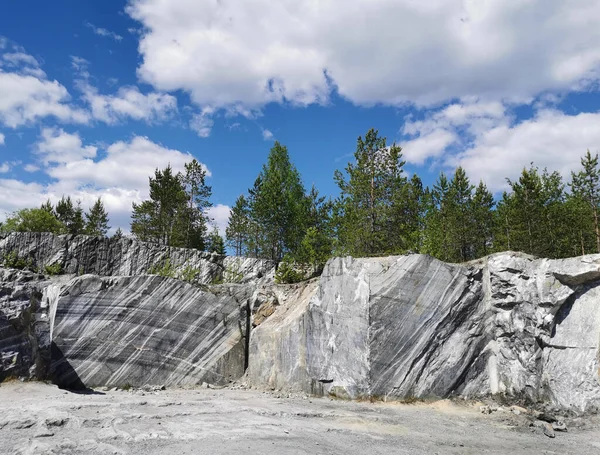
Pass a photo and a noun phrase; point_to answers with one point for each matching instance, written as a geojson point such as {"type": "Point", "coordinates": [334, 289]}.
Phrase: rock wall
{"type": "Point", "coordinates": [83, 254]}
{"type": "Point", "coordinates": [386, 328]}
{"type": "Point", "coordinates": [145, 330]}
{"type": "Point", "coordinates": [411, 326]}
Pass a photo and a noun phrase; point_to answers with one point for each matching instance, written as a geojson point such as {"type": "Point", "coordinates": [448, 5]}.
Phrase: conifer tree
{"type": "Point", "coordinates": [483, 220]}
{"type": "Point", "coordinates": [366, 225]}
{"type": "Point", "coordinates": [97, 220]}
{"type": "Point", "coordinates": [215, 243]}
{"type": "Point", "coordinates": [586, 185]}
{"type": "Point", "coordinates": [278, 206]}
{"type": "Point", "coordinates": [238, 227]}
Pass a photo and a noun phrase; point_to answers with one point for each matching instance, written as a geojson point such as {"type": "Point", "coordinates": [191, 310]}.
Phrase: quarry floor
{"type": "Point", "coordinates": [37, 418]}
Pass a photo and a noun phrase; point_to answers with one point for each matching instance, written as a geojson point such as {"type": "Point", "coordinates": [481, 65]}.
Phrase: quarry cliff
{"type": "Point", "coordinates": [510, 325]}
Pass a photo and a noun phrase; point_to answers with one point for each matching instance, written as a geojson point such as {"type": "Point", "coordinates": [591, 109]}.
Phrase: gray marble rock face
{"type": "Point", "coordinates": [24, 325]}
{"type": "Point", "coordinates": [128, 257]}
{"type": "Point", "coordinates": [412, 326]}
{"type": "Point", "coordinates": [145, 330]}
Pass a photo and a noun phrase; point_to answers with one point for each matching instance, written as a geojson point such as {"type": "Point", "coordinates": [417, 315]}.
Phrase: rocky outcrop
{"type": "Point", "coordinates": [145, 330]}
{"type": "Point", "coordinates": [25, 324]}
{"type": "Point", "coordinates": [390, 328]}
{"type": "Point", "coordinates": [411, 326]}
{"type": "Point", "coordinates": [128, 257]}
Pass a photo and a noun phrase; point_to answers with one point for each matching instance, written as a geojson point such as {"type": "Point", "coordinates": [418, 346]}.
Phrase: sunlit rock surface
{"type": "Point", "coordinates": [412, 326]}
{"type": "Point", "coordinates": [145, 330]}
{"type": "Point", "coordinates": [83, 254]}
{"type": "Point", "coordinates": [390, 328]}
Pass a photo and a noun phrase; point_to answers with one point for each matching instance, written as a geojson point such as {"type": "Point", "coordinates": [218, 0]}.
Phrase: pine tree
{"type": "Point", "coordinates": [278, 206]}
{"type": "Point", "coordinates": [69, 215]}
{"type": "Point", "coordinates": [238, 227]}
{"type": "Point", "coordinates": [366, 224]}
{"type": "Point", "coordinates": [437, 220]}
{"type": "Point", "coordinates": [97, 220]}
{"type": "Point", "coordinates": [483, 220]}
{"type": "Point", "coordinates": [460, 221]}
{"type": "Point", "coordinates": [118, 235]}
{"type": "Point", "coordinates": [586, 185]}
{"type": "Point", "coordinates": [215, 243]}
{"type": "Point", "coordinates": [193, 220]}
{"type": "Point", "coordinates": [163, 218]}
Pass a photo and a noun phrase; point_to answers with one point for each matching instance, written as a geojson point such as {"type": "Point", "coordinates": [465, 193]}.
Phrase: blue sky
{"type": "Point", "coordinates": [95, 95]}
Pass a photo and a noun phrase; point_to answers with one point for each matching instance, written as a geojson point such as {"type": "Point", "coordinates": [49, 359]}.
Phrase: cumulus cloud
{"type": "Point", "coordinates": [103, 32]}
{"type": "Point", "coordinates": [219, 215]}
{"type": "Point", "coordinates": [2, 137]}
{"type": "Point", "coordinates": [128, 102]}
{"type": "Point", "coordinates": [267, 135]}
{"type": "Point", "coordinates": [119, 175]}
{"type": "Point", "coordinates": [26, 95]}
{"type": "Point", "coordinates": [551, 139]}
{"type": "Point", "coordinates": [386, 51]}
{"type": "Point", "coordinates": [4, 168]}
{"type": "Point", "coordinates": [56, 146]}
{"type": "Point", "coordinates": [486, 140]}
{"type": "Point", "coordinates": [202, 123]}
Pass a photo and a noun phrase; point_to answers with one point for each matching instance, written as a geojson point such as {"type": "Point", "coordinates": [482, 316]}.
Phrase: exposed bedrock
{"type": "Point", "coordinates": [145, 330]}
{"type": "Point", "coordinates": [412, 326]}
{"type": "Point", "coordinates": [83, 254]}
{"type": "Point", "coordinates": [399, 327]}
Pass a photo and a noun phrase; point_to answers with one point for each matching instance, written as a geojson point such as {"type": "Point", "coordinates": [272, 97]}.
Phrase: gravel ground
{"type": "Point", "coordinates": [37, 418]}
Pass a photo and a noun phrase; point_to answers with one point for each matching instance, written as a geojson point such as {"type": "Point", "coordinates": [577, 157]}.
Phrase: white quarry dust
{"type": "Point", "coordinates": [37, 418]}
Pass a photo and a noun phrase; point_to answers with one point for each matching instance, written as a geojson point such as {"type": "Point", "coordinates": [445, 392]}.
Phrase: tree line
{"type": "Point", "coordinates": [380, 210]}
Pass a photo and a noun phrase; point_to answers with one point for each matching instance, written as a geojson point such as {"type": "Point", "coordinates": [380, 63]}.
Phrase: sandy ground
{"type": "Point", "coordinates": [36, 418]}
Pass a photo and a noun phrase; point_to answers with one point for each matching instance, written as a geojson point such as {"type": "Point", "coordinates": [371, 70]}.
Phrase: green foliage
{"type": "Point", "coordinates": [189, 274]}
{"type": "Point", "coordinates": [70, 216]}
{"type": "Point", "coordinates": [371, 212]}
{"type": "Point", "coordinates": [33, 220]}
{"type": "Point", "coordinates": [278, 207]}
{"type": "Point", "coordinates": [288, 272]}
{"type": "Point", "coordinates": [53, 269]}
{"type": "Point", "coordinates": [118, 235]}
{"type": "Point", "coordinates": [164, 268]}
{"type": "Point", "coordinates": [238, 227]}
{"type": "Point", "coordinates": [215, 243]}
{"type": "Point", "coordinates": [12, 260]}
{"type": "Point", "coordinates": [175, 213]}
{"type": "Point", "coordinates": [97, 220]}
{"type": "Point", "coordinates": [233, 274]}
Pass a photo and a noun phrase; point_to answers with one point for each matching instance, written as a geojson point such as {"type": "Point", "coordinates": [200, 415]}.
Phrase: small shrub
{"type": "Point", "coordinates": [53, 269]}
{"type": "Point", "coordinates": [232, 274]}
{"type": "Point", "coordinates": [165, 269]}
{"type": "Point", "coordinates": [13, 261]}
{"type": "Point", "coordinates": [287, 273]}
{"type": "Point", "coordinates": [189, 274]}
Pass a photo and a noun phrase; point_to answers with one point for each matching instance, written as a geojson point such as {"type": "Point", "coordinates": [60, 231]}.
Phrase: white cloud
{"type": "Point", "coordinates": [4, 168]}
{"type": "Point", "coordinates": [387, 51]}
{"type": "Point", "coordinates": [31, 168]}
{"type": "Point", "coordinates": [202, 123]}
{"type": "Point", "coordinates": [26, 95]}
{"type": "Point", "coordinates": [551, 139]}
{"type": "Point", "coordinates": [25, 99]}
{"type": "Point", "coordinates": [119, 175]}
{"type": "Point", "coordinates": [56, 146]}
{"type": "Point", "coordinates": [128, 102]}
{"type": "Point", "coordinates": [220, 216]}
{"type": "Point", "coordinates": [104, 32]}
{"type": "Point", "coordinates": [2, 138]}
{"type": "Point", "coordinates": [267, 135]}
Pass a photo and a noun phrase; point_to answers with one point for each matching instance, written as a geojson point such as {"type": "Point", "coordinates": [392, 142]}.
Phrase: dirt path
{"type": "Point", "coordinates": [41, 419]}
